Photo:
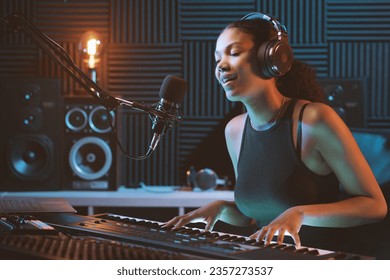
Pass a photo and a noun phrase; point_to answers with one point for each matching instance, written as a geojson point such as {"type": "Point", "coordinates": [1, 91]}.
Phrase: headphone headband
{"type": "Point", "coordinates": [280, 28]}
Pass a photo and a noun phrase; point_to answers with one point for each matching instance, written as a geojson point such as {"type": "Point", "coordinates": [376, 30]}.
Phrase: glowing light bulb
{"type": "Point", "coordinates": [92, 46]}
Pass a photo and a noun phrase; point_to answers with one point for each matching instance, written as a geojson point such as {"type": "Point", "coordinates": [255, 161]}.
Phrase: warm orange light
{"type": "Point", "coordinates": [91, 46]}
{"type": "Point", "coordinates": [92, 62]}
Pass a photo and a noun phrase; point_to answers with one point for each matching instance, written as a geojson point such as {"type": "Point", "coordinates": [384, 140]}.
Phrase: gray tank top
{"type": "Point", "coordinates": [271, 176]}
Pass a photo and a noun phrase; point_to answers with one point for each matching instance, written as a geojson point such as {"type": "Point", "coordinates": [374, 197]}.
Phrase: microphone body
{"type": "Point", "coordinates": [169, 109]}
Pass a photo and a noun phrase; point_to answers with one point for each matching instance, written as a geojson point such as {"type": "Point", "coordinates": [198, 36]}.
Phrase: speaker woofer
{"type": "Point", "coordinates": [99, 121]}
{"type": "Point", "coordinates": [30, 157]}
{"type": "Point", "coordinates": [90, 158]}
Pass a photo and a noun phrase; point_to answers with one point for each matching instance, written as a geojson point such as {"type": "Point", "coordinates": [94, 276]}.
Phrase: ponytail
{"type": "Point", "coordinates": [300, 82]}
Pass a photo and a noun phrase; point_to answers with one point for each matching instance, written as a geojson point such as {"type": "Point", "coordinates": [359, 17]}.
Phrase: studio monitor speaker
{"type": "Point", "coordinates": [346, 97]}
{"type": "Point", "coordinates": [89, 146]}
{"type": "Point", "coordinates": [30, 128]}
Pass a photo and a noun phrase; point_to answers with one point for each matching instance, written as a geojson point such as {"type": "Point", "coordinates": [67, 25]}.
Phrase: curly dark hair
{"type": "Point", "coordinates": [300, 81]}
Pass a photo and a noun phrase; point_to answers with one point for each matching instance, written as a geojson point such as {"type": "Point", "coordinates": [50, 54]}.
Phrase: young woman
{"type": "Point", "coordinates": [290, 152]}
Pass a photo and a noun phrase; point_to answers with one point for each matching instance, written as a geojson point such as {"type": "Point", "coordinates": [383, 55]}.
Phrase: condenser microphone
{"type": "Point", "coordinates": [169, 109]}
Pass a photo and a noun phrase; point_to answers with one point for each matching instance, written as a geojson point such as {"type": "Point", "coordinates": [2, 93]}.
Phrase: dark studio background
{"type": "Point", "coordinates": [346, 41]}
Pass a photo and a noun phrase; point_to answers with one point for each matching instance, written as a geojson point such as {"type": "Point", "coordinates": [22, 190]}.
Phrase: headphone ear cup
{"type": "Point", "coordinates": [263, 60]}
{"type": "Point", "coordinates": [275, 58]}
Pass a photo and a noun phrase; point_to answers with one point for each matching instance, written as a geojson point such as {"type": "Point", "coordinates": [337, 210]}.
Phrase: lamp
{"type": "Point", "coordinates": [91, 47]}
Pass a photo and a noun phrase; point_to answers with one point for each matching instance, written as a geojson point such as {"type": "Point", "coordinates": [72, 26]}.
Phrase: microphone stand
{"type": "Point", "coordinates": [19, 23]}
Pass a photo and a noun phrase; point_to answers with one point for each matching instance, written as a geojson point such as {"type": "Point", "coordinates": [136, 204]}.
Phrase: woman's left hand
{"type": "Point", "coordinates": [290, 221]}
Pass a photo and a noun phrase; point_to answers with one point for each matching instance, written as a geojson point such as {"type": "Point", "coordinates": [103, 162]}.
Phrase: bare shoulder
{"type": "Point", "coordinates": [325, 126]}
{"type": "Point", "coordinates": [319, 113]}
{"type": "Point", "coordinates": [322, 118]}
{"type": "Point", "coordinates": [235, 126]}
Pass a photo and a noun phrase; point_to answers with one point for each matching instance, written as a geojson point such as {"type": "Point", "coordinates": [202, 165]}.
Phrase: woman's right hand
{"type": "Point", "coordinates": [208, 214]}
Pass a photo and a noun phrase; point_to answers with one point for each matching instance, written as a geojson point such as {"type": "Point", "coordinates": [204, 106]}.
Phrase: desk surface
{"type": "Point", "coordinates": [153, 196]}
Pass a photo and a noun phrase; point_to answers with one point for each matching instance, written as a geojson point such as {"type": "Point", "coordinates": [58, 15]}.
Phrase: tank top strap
{"type": "Point", "coordinates": [299, 135]}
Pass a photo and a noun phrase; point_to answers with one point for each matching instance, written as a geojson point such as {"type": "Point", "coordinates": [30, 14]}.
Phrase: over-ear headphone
{"type": "Point", "coordinates": [205, 179]}
{"type": "Point", "coordinates": [274, 56]}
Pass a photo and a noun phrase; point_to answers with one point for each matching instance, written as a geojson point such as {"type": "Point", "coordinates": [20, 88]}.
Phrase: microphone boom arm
{"type": "Point", "coordinates": [19, 23]}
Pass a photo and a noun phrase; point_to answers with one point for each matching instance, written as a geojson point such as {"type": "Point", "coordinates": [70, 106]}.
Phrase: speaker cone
{"type": "Point", "coordinates": [30, 157]}
{"type": "Point", "coordinates": [90, 158]}
{"type": "Point", "coordinates": [99, 120]}
{"type": "Point", "coordinates": [76, 119]}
